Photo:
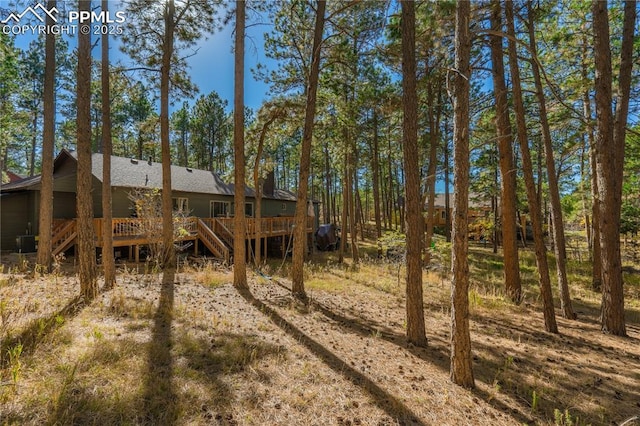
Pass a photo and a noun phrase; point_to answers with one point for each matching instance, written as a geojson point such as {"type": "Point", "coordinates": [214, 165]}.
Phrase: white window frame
{"type": "Point", "coordinates": [227, 208]}
{"type": "Point", "coordinates": [253, 212]}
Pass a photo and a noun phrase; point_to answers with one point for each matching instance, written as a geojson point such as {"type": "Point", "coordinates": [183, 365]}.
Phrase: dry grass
{"type": "Point", "coordinates": [190, 349]}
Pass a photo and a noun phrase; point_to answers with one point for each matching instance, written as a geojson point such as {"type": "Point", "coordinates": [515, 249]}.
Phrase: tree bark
{"type": "Point", "coordinates": [345, 207]}
{"type": "Point", "coordinates": [596, 252]}
{"type": "Point", "coordinates": [84, 224]}
{"type": "Point", "coordinates": [461, 361]}
{"type": "Point", "coordinates": [513, 285]}
{"type": "Point", "coordinates": [300, 236]}
{"type": "Point", "coordinates": [415, 223]}
{"type": "Point", "coordinates": [434, 136]}
{"type": "Point", "coordinates": [447, 194]}
{"type": "Point", "coordinates": [552, 180]}
{"type": "Point", "coordinates": [375, 158]}
{"type": "Point", "coordinates": [239, 222]}
{"type": "Point", "coordinates": [108, 262]}
{"type": "Point", "coordinates": [43, 258]}
{"type": "Point", "coordinates": [353, 231]}
{"type": "Point", "coordinates": [609, 144]}
{"type": "Point", "coordinates": [258, 187]}
{"type": "Point", "coordinates": [527, 168]}
{"type": "Point", "coordinates": [168, 251]}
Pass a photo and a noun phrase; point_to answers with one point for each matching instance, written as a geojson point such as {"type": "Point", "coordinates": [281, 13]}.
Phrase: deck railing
{"type": "Point", "coordinates": [269, 225]}
{"type": "Point", "coordinates": [151, 229]}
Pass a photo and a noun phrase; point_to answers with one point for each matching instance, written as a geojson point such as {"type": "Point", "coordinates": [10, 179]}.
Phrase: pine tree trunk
{"type": "Point", "coordinates": [390, 193]}
{"type": "Point", "coordinates": [300, 230]}
{"type": "Point", "coordinates": [34, 143]}
{"type": "Point", "coordinates": [328, 185]}
{"type": "Point", "coordinates": [513, 286]}
{"type": "Point", "coordinates": [461, 360]}
{"type": "Point", "coordinates": [345, 207]}
{"type": "Point", "coordinates": [258, 188]}
{"type": "Point", "coordinates": [239, 220]}
{"type": "Point", "coordinates": [375, 159]}
{"type": "Point", "coordinates": [447, 182]}
{"type": "Point", "coordinates": [527, 168]}
{"type": "Point", "coordinates": [86, 248]}
{"type": "Point", "coordinates": [415, 223]}
{"type": "Point", "coordinates": [594, 241]}
{"type": "Point", "coordinates": [353, 233]}
{"type": "Point", "coordinates": [108, 262]}
{"type": "Point", "coordinates": [554, 192]}
{"type": "Point", "coordinates": [168, 251]}
{"type": "Point", "coordinates": [434, 136]}
{"type": "Point", "coordinates": [43, 258]}
{"type": "Point", "coordinates": [609, 156]}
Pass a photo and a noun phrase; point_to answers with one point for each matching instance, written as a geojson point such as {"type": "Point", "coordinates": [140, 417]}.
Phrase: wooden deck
{"type": "Point", "coordinates": [215, 233]}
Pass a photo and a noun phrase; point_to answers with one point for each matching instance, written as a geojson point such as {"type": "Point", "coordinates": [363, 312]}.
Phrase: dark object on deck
{"type": "Point", "coordinates": [327, 237]}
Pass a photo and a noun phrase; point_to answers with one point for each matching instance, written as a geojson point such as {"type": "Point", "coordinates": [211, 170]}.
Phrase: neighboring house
{"type": "Point", "coordinates": [12, 177]}
{"type": "Point", "coordinates": [200, 193]}
{"type": "Point", "coordinates": [479, 210]}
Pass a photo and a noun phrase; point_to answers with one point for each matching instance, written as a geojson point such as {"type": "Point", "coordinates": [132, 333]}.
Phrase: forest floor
{"type": "Point", "coordinates": [191, 349]}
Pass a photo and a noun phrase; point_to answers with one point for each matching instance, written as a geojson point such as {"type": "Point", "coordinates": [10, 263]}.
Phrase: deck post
{"type": "Point", "coordinates": [265, 249]}
{"type": "Point", "coordinates": [284, 247]}
{"type": "Point", "coordinates": [137, 249]}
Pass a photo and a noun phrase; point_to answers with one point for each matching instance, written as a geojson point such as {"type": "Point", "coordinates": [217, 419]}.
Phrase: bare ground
{"type": "Point", "coordinates": [191, 349]}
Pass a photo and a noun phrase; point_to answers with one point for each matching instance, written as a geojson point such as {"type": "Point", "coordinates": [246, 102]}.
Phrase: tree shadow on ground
{"type": "Point", "coordinates": [159, 397]}
{"type": "Point", "coordinates": [118, 398]}
{"type": "Point", "coordinates": [387, 402]}
{"type": "Point", "coordinates": [208, 360]}
{"type": "Point", "coordinates": [574, 371]}
{"type": "Point", "coordinates": [436, 353]}
{"type": "Point", "coordinates": [38, 329]}
{"type": "Point", "coordinates": [80, 403]}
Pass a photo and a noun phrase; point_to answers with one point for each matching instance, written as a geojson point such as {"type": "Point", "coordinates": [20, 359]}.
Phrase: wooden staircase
{"type": "Point", "coordinates": [64, 235]}
{"type": "Point", "coordinates": [212, 241]}
{"type": "Point", "coordinates": [220, 229]}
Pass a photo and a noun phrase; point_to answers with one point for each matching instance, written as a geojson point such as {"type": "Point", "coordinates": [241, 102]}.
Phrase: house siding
{"type": "Point", "coordinates": [14, 217]}
{"type": "Point", "coordinates": [272, 207]}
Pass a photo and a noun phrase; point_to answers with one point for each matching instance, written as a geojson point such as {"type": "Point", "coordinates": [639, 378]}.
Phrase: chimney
{"type": "Point", "coordinates": [269, 184]}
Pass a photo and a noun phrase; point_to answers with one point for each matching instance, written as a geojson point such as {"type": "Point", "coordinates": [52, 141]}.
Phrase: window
{"type": "Point", "coordinates": [248, 209]}
{"type": "Point", "coordinates": [284, 207]}
{"type": "Point", "coordinates": [219, 208]}
{"type": "Point", "coordinates": [181, 204]}
{"type": "Point", "coordinates": [444, 215]}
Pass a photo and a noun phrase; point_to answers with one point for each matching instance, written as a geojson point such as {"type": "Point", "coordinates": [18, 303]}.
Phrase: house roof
{"type": "Point", "coordinates": [13, 177]}
{"type": "Point", "coordinates": [133, 173]}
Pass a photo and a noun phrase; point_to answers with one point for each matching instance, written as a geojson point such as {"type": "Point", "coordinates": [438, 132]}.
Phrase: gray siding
{"type": "Point", "coordinates": [64, 205]}
{"type": "Point", "coordinates": [272, 208]}
{"type": "Point", "coordinates": [15, 217]}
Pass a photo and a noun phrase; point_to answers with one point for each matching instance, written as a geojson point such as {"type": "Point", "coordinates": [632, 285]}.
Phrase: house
{"type": "Point", "coordinates": [201, 193]}
{"type": "Point", "coordinates": [9, 176]}
{"type": "Point", "coordinates": [479, 210]}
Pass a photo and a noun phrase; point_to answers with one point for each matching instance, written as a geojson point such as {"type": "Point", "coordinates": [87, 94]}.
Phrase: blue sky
{"type": "Point", "coordinates": [211, 69]}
